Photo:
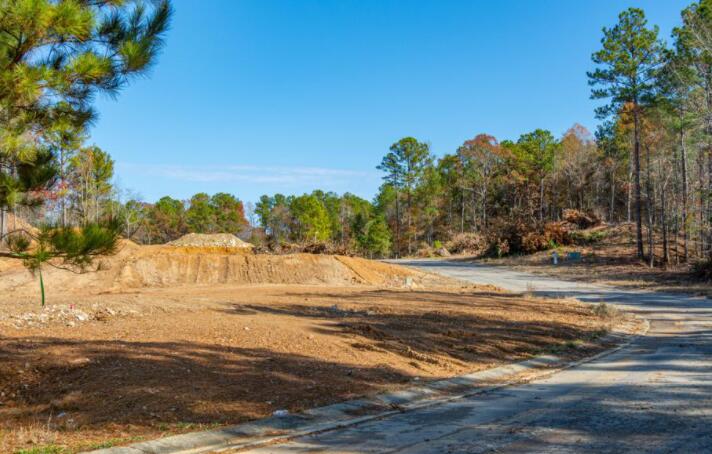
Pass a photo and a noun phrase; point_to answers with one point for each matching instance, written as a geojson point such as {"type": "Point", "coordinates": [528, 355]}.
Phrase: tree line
{"type": "Point", "coordinates": [648, 162]}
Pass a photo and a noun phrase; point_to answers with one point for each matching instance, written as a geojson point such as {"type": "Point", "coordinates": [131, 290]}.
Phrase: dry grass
{"type": "Point", "coordinates": [37, 435]}
{"type": "Point", "coordinates": [610, 259]}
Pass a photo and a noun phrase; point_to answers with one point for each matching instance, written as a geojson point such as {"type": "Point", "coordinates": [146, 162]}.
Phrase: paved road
{"type": "Point", "coordinates": [654, 396]}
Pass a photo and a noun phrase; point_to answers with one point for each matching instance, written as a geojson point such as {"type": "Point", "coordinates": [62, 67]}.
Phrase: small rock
{"type": "Point", "coordinates": [280, 413]}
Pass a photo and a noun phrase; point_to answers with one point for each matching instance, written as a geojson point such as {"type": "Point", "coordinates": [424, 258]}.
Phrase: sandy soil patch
{"type": "Point", "coordinates": [137, 267]}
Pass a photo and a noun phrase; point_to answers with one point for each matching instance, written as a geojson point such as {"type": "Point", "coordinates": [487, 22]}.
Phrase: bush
{"type": "Point", "coordinates": [501, 248]}
{"type": "Point", "coordinates": [558, 234]}
{"type": "Point", "coordinates": [425, 251]}
{"type": "Point", "coordinates": [506, 237]}
{"type": "Point", "coordinates": [605, 311]}
{"type": "Point", "coordinates": [581, 219]}
{"type": "Point", "coordinates": [533, 242]}
{"type": "Point", "coordinates": [702, 269]}
{"type": "Point", "coordinates": [467, 243]}
{"type": "Point", "coordinates": [317, 247]}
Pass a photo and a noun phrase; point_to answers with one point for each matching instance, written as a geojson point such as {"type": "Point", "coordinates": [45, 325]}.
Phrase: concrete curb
{"type": "Point", "coordinates": [280, 429]}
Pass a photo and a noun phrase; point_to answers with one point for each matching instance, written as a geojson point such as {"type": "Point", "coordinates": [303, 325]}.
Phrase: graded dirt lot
{"type": "Point", "coordinates": [164, 340]}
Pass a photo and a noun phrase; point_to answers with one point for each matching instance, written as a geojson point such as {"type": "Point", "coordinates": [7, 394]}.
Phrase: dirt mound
{"type": "Point", "coordinates": [14, 222]}
{"type": "Point", "coordinates": [225, 240]}
{"type": "Point", "coordinates": [137, 266]}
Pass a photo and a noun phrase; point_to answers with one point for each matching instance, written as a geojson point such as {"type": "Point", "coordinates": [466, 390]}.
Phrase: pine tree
{"type": "Point", "coordinates": [626, 74]}
{"type": "Point", "coordinates": [55, 57]}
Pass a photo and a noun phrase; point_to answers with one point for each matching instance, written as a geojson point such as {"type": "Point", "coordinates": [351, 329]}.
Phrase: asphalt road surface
{"type": "Point", "coordinates": [654, 396]}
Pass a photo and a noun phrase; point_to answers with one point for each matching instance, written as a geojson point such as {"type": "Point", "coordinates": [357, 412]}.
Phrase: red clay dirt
{"type": "Point", "coordinates": [185, 340]}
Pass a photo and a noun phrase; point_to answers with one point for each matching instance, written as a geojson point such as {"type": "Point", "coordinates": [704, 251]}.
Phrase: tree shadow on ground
{"type": "Point", "coordinates": [110, 381]}
{"type": "Point", "coordinates": [104, 383]}
{"type": "Point", "coordinates": [500, 330]}
{"type": "Point", "coordinates": [651, 398]}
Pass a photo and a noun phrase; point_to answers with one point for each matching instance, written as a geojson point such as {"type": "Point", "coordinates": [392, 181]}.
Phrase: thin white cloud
{"type": "Point", "coordinates": [278, 176]}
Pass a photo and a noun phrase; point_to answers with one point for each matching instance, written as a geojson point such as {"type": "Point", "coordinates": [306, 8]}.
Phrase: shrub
{"type": "Point", "coordinates": [533, 242]}
{"type": "Point", "coordinates": [702, 269]}
{"type": "Point", "coordinates": [502, 248]}
{"type": "Point", "coordinates": [467, 243]}
{"type": "Point", "coordinates": [506, 236]}
{"type": "Point", "coordinates": [581, 219]}
{"type": "Point", "coordinates": [558, 233]}
{"type": "Point", "coordinates": [424, 251]}
{"type": "Point", "coordinates": [603, 310]}
{"type": "Point", "coordinates": [317, 247]}
{"type": "Point", "coordinates": [587, 238]}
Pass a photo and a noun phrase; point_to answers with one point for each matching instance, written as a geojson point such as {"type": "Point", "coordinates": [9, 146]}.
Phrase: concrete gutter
{"type": "Point", "coordinates": [280, 429]}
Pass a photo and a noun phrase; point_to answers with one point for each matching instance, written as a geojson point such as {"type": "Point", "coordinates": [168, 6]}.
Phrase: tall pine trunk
{"type": "Point", "coordinates": [683, 169]}
{"type": "Point", "coordinates": [3, 227]}
{"type": "Point", "coordinates": [613, 194]}
{"type": "Point", "coordinates": [541, 199]}
{"type": "Point", "coordinates": [650, 207]}
{"type": "Point", "coordinates": [629, 201]}
{"type": "Point", "coordinates": [663, 220]}
{"type": "Point", "coordinates": [638, 201]}
{"type": "Point", "coordinates": [397, 223]}
{"type": "Point", "coordinates": [484, 208]}
{"type": "Point", "coordinates": [410, 220]}
{"type": "Point", "coordinates": [462, 211]}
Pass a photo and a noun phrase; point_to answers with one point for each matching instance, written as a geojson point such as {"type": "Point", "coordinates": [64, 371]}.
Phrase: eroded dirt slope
{"type": "Point", "coordinates": [135, 267]}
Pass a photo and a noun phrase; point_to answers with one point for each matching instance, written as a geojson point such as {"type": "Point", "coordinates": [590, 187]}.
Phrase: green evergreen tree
{"type": "Point", "coordinates": [310, 219]}
{"type": "Point", "coordinates": [168, 219]}
{"type": "Point", "coordinates": [539, 149]}
{"type": "Point", "coordinates": [55, 56]}
{"type": "Point", "coordinates": [375, 237]}
{"type": "Point", "coordinates": [627, 67]}
{"type": "Point", "coordinates": [228, 212]}
{"type": "Point", "coordinates": [200, 215]}
{"type": "Point", "coordinates": [404, 165]}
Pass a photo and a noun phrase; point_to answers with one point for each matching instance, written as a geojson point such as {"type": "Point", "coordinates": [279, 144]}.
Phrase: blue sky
{"type": "Point", "coordinates": [264, 96]}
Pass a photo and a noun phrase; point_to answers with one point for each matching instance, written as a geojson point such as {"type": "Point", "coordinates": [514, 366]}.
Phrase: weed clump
{"type": "Point", "coordinates": [605, 311]}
